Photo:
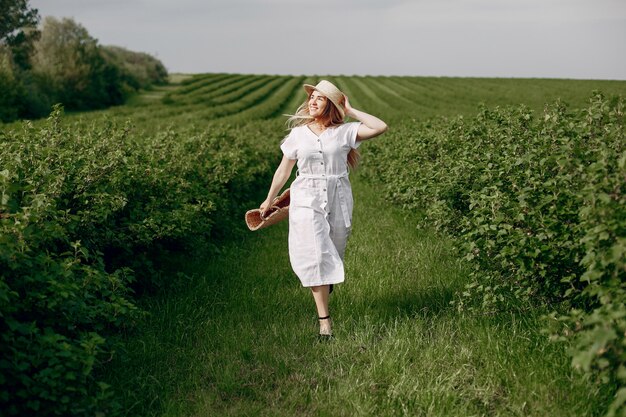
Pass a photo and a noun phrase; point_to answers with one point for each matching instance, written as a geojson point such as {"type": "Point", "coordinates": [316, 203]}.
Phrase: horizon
{"type": "Point", "coordinates": [396, 75]}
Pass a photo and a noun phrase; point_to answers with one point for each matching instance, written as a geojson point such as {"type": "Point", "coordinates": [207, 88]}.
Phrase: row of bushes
{"type": "Point", "coordinates": [85, 210]}
{"type": "Point", "coordinates": [66, 65]}
{"type": "Point", "coordinates": [539, 204]}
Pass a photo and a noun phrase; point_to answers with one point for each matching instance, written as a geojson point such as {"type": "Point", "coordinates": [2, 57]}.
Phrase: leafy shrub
{"type": "Point", "coordinates": [538, 206]}
{"type": "Point", "coordinates": [598, 324]}
{"type": "Point", "coordinates": [84, 211]}
{"type": "Point", "coordinates": [56, 299]}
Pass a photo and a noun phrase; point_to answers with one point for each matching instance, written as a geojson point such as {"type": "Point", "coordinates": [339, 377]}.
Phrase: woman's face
{"type": "Point", "coordinates": [317, 104]}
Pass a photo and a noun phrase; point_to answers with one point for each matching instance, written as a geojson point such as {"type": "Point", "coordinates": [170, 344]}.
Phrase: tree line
{"type": "Point", "coordinates": [59, 62]}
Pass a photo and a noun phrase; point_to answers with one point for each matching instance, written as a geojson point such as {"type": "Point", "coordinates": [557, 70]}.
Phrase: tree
{"type": "Point", "coordinates": [63, 63]}
{"type": "Point", "coordinates": [18, 23]}
{"type": "Point", "coordinates": [140, 70]}
{"type": "Point", "coordinates": [9, 87]}
{"type": "Point", "coordinates": [67, 59]}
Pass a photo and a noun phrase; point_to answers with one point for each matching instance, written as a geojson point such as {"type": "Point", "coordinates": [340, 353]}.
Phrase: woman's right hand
{"type": "Point", "coordinates": [264, 207]}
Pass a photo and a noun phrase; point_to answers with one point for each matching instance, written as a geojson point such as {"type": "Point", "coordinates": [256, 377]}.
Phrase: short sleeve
{"type": "Point", "coordinates": [352, 130]}
{"type": "Point", "coordinates": [288, 146]}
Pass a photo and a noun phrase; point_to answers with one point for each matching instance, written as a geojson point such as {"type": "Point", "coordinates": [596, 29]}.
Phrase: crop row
{"type": "Point", "coordinates": [248, 98]}
{"type": "Point", "coordinates": [227, 100]}
{"type": "Point", "coordinates": [272, 104]}
{"type": "Point", "coordinates": [223, 92]}
{"type": "Point", "coordinates": [198, 82]}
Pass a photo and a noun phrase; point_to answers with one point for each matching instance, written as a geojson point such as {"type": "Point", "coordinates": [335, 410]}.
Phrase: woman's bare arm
{"type": "Point", "coordinates": [282, 174]}
{"type": "Point", "coordinates": [371, 126]}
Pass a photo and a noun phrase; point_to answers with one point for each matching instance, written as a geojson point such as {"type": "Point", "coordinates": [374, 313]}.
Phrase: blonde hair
{"type": "Point", "coordinates": [330, 117]}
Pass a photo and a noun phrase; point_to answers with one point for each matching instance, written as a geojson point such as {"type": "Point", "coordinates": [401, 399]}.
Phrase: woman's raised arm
{"type": "Point", "coordinates": [372, 126]}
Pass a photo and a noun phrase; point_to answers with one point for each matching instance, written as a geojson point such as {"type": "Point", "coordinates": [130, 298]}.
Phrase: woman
{"type": "Point", "coordinates": [320, 210]}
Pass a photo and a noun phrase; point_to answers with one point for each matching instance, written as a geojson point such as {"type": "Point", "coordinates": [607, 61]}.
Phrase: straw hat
{"type": "Point", "coordinates": [331, 92]}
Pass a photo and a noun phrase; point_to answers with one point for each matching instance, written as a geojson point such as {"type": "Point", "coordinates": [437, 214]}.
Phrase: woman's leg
{"type": "Point", "coordinates": [320, 294]}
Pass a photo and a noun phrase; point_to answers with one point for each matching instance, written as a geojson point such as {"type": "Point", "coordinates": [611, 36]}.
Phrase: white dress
{"type": "Point", "coordinates": [320, 211]}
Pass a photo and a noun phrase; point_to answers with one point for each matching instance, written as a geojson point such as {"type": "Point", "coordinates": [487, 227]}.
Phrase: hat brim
{"type": "Point", "coordinates": [308, 88]}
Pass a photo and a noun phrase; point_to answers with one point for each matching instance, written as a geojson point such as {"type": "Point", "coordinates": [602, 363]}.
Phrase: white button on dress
{"type": "Point", "coordinates": [320, 211]}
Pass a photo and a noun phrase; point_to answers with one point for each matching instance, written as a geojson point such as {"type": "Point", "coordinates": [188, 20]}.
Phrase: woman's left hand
{"type": "Point", "coordinates": [347, 106]}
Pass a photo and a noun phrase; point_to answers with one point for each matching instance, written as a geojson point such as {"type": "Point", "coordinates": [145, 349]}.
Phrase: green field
{"type": "Point", "coordinates": [229, 330]}
{"type": "Point", "coordinates": [239, 98]}
{"type": "Point", "coordinates": [239, 338]}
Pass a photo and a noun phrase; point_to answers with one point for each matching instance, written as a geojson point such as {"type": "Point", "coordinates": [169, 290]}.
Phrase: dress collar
{"type": "Point", "coordinates": [320, 135]}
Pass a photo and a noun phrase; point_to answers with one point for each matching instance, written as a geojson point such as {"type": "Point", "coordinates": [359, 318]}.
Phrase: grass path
{"type": "Point", "coordinates": [239, 338]}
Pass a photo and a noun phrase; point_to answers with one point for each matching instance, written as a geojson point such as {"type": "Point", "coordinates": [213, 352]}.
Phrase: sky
{"type": "Point", "coordinates": [581, 39]}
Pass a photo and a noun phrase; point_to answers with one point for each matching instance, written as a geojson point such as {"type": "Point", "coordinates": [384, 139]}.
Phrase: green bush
{"type": "Point", "coordinates": [85, 210]}
{"type": "Point", "coordinates": [598, 323]}
{"type": "Point", "coordinates": [538, 206]}
{"type": "Point", "coordinates": [56, 298]}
